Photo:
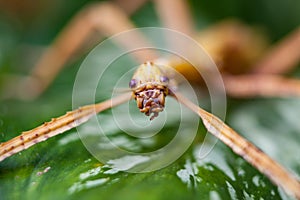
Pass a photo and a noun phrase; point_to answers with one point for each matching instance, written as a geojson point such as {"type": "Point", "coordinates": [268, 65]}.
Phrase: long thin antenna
{"type": "Point", "coordinates": [57, 126]}
{"type": "Point", "coordinates": [266, 165]}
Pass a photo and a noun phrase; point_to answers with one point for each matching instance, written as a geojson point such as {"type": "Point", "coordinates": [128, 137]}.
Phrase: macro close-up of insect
{"type": "Point", "coordinates": [247, 61]}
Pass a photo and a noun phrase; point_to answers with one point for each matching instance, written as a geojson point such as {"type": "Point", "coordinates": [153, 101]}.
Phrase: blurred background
{"type": "Point", "coordinates": [28, 27]}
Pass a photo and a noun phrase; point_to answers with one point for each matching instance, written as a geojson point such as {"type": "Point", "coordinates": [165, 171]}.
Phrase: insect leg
{"type": "Point", "coordinates": [130, 6]}
{"type": "Point", "coordinates": [175, 15]}
{"type": "Point", "coordinates": [106, 18]}
{"type": "Point", "coordinates": [263, 85]}
{"type": "Point", "coordinates": [283, 57]}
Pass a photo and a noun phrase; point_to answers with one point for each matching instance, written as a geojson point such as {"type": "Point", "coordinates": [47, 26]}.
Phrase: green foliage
{"type": "Point", "coordinates": [62, 168]}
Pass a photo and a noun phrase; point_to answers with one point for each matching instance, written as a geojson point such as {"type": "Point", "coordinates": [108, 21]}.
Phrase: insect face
{"type": "Point", "coordinates": [150, 87]}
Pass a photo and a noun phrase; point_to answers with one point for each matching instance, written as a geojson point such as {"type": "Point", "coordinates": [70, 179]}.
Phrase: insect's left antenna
{"type": "Point", "coordinates": [57, 126]}
{"type": "Point", "coordinates": [266, 165]}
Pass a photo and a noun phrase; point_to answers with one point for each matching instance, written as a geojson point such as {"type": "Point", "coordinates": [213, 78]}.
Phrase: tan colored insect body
{"type": "Point", "coordinates": [150, 87]}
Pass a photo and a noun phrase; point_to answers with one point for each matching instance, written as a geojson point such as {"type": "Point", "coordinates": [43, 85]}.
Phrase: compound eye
{"type": "Point", "coordinates": [132, 83]}
{"type": "Point", "coordinates": [164, 79]}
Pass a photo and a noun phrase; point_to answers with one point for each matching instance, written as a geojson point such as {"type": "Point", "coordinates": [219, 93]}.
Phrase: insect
{"type": "Point", "coordinates": [150, 99]}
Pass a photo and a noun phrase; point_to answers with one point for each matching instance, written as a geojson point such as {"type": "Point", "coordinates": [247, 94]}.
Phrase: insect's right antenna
{"type": "Point", "coordinates": [57, 126]}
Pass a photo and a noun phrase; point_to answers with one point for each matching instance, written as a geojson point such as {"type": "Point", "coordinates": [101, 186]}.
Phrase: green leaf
{"type": "Point", "coordinates": [62, 168]}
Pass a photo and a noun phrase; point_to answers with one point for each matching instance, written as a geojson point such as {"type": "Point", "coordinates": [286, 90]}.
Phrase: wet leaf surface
{"type": "Point", "coordinates": [62, 168]}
